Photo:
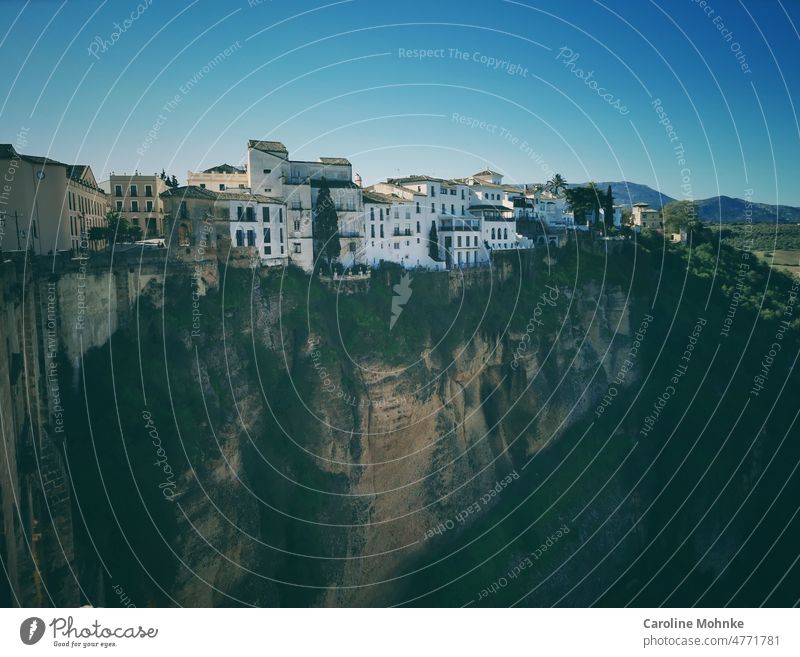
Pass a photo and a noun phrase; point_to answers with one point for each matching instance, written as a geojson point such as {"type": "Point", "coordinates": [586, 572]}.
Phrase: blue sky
{"type": "Point", "coordinates": [342, 79]}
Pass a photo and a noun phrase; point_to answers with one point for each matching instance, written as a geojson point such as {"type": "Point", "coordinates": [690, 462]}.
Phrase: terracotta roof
{"type": "Point", "coordinates": [487, 172]}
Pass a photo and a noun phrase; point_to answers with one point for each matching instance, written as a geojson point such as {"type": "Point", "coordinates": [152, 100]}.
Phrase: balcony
{"type": "Point", "coordinates": [457, 225]}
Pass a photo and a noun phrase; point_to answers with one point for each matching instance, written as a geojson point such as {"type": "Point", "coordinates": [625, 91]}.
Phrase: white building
{"type": "Point", "coordinates": [219, 178]}
{"type": "Point", "coordinates": [255, 222]}
{"type": "Point", "coordinates": [297, 184]}
{"type": "Point", "coordinates": [397, 228]}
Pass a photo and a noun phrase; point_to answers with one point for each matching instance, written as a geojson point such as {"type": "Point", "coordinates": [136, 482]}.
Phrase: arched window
{"type": "Point", "coordinates": [493, 233]}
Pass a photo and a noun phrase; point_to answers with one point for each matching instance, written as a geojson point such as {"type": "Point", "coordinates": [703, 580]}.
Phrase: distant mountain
{"type": "Point", "coordinates": [734, 210]}
{"type": "Point", "coordinates": [628, 193]}
{"type": "Point", "coordinates": [729, 210]}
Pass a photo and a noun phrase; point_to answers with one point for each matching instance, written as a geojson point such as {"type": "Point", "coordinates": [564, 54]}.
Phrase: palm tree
{"type": "Point", "coordinates": [556, 183]}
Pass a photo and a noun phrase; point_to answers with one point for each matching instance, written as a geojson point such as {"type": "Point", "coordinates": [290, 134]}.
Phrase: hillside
{"type": "Point", "coordinates": [717, 209]}
{"type": "Point", "coordinates": [321, 458]}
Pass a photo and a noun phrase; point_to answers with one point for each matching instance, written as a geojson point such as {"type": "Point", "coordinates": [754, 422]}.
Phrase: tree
{"type": "Point", "coordinates": [556, 183]}
{"type": "Point", "coordinates": [117, 230]}
{"type": "Point", "coordinates": [326, 225]}
{"type": "Point", "coordinates": [608, 208]}
{"type": "Point", "coordinates": [680, 214]}
{"type": "Point", "coordinates": [433, 243]}
{"type": "Point", "coordinates": [586, 200]}
{"type": "Point", "coordinates": [173, 181]}
{"type": "Point", "coordinates": [163, 174]}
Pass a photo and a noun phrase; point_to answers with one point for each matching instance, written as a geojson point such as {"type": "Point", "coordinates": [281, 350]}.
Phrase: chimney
{"type": "Point", "coordinates": [358, 179]}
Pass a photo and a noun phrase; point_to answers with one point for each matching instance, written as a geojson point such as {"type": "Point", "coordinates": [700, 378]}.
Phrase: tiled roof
{"type": "Point", "coordinates": [193, 191]}
{"type": "Point", "coordinates": [7, 152]}
{"type": "Point", "coordinates": [267, 146]}
{"type": "Point", "coordinates": [334, 160]}
{"type": "Point", "coordinates": [377, 197]}
{"type": "Point", "coordinates": [189, 191]}
{"type": "Point", "coordinates": [487, 172]}
{"type": "Point", "coordinates": [246, 196]}
{"type": "Point", "coordinates": [224, 168]}
{"type": "Point", "coordinates": [420, 178]}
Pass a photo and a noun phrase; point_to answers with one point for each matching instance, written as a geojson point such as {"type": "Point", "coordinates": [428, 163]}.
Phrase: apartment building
{"type": "Point", "coordinates": [137, 198]}
{"type": "Point", "coordinates": [297, 183]}
{"type": "Point", "coordinates": [47, 206]}
{"type": "Point", "coordinates": [643, 216]}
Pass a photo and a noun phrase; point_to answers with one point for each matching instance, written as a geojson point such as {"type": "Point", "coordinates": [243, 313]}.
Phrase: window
{"type": "Point", "coordinates": [419, 189]}
{"type": "Point", "coordinates": [280, 215]}
{"type": "Point", "coordinates": [443, 191]}
{"type": "Point", "coordinates": [267, 235]}
{"type": "Point", "coordinates": [352, 247]}
{"type": "Point", "coordinates": [372, 230]}
{"type": "Point", "coordinates": [148, 190]}
{"type": "Point", "coordinates": [297, 247]}
{"type": "Point", "coordinates": [119, 206]}
{"type": "Point", "coordinates": [222, 187]}
{"type": "Point", "coordinates": [493, 233]}
{"type": "Point", "coordinates": [433, 191]}
{"type": "Point", "coordinates": [134, 206]}
{"type": "Point", "coordinates": [251, 238]}
{"type": "Point", "coordinates": [462, 211]}
{"type": "Point", "coordinates": [148, 206]}
{"type": "Point", "coordinates": [267, 170]}
{"type": "Point", "coordinates": [467, 257]}
{"type": "Point", "coordinates": [462, 193]}
{"type": "Point", "coordinates": [418, 226]}
{"type": "Point", "coordinates": [418, 208]}
{"type": "Point", "coordinates": [444, 210]}
{"type": "Point", "coordinates": [239, 211]}
{"type": "Point", "coordinates": [452, 209]}
{"type": "Point", "coordinates": [452, 192]}
{"type": "Point", "coordinates": [133, 191]}
{"type": "Point", "coordinates": [202, 185]}
{"type": "Point", "coordinates": [265, 213]}
{"type": "Point", "coordinates": [459, 240]}
{"type": "Point", "coordinates": [505, 234]}
{"type": "Point", "coordinates": [433, 207]}
{"type": "Point", "coordinates": [381, 214]}
{"type": "Point", "coordinates": [249, 213]}
{"type": "Point", "coordinates": [117, 190]}
{"type": "Point", "coordinates": [397, 246]}
{"type": "Point", "coordinates": [268, 250]}
{"type": "Point", "coordinates": [239, 238]}
{"type": "Point", "coordinates": [396, 213]}
{"type": "Point", "coordinates": [297, 225]}
{"type": "Point", "coordinates": [381, 231]}
{"type": "Point", "coordinates": [372, 214]}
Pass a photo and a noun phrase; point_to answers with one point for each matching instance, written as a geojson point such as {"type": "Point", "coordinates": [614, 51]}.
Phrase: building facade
{"type": "Point", "coordinates": [46, 206]}
{"type": "Point", "coordinates": [137, 198]}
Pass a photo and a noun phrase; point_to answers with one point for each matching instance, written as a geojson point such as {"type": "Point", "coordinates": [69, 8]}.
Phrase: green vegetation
{"type": "Point", "coordinates": [624, 489]}
{"type": "Point", "coordinates": [116, 230]}
{"type": "Point", "coordinates": [759, 237]}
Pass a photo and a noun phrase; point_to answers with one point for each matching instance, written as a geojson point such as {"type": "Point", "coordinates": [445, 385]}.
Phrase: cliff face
{"type": "Point", "coordinates": [256, 438]}
{"type": "Point", "coordinates": [342, 460]}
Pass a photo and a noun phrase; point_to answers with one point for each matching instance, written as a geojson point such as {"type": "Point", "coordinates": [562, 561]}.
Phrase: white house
{"type": "Point", "coordinates": [219, 178]}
